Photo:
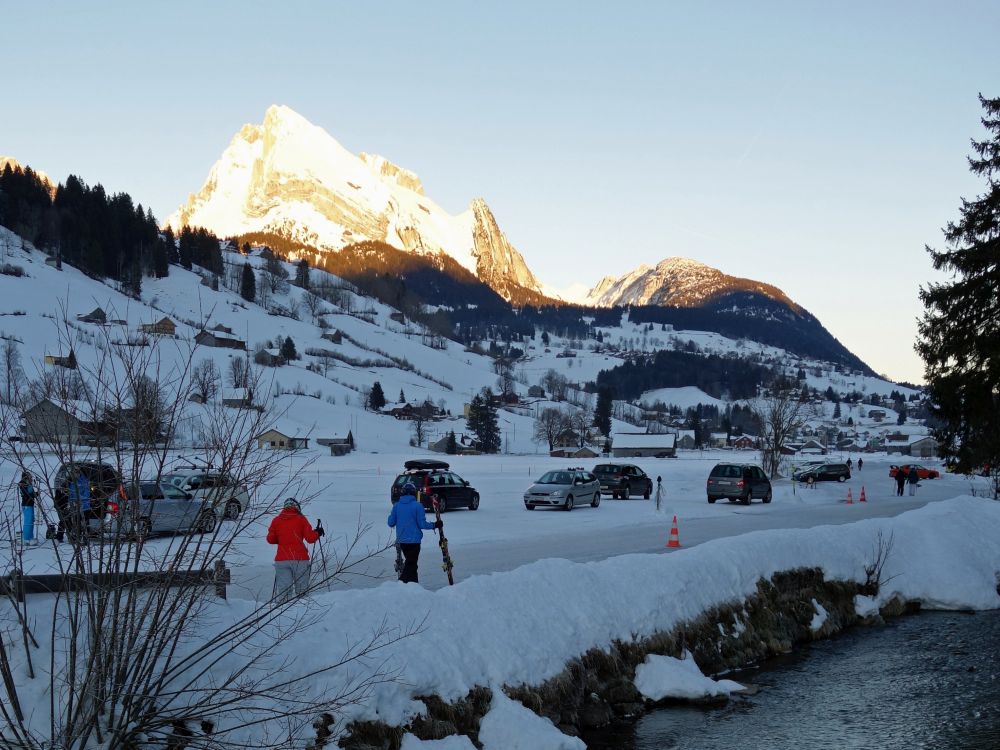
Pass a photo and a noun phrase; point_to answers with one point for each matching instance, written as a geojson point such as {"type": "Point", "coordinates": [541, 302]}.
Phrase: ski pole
{"type": "Point", "coordinates": [322, 554]}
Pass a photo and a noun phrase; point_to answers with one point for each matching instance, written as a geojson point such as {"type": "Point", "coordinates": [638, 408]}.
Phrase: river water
{"type": "Point", "coordinates": [926, 681]}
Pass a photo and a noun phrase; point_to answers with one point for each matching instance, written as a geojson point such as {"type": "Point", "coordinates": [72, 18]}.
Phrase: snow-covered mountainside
{"type": "Point", "coordinates": [290, 177]}
{"type": "Point", "coordinates": [678, 282]}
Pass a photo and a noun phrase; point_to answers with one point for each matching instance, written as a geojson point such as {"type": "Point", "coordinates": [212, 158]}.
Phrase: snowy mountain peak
{"type": "Point", "coordinates": [676, 281]}
{"type": "Point", "coordinates": [292, 178]}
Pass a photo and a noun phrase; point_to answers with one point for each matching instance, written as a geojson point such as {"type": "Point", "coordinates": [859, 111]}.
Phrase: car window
{"type": "Point", "coordinates": [171, 492]}
{"type": "Point", "coordinates": [758, 472]}
{"type": "Point", "coordinates": [150, 491]}
{"type": "Point", "coordinates": [589, 477]}
{"type": "Point", "coordinates": [555, 477]}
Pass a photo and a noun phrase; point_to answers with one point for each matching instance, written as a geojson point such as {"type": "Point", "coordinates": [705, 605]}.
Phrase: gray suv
{"type": "Point", "coordinates": [742, 482]}
{"type": "Point", "coordinates": [160, 508]}
{"type": "Point", "coordinates": [624, 480]}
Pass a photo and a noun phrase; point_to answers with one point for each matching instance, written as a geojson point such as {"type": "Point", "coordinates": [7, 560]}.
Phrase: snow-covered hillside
{"type": "Point", "coordinates": [290, 177]}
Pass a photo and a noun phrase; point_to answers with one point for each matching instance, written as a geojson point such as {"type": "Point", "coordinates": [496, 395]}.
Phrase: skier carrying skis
{"type": "Point", "coordinates": [410, 522]}
{"type": "Point", "coordinates": [26, 488]}
{"type": "Point", "coordinates": [292, 568]}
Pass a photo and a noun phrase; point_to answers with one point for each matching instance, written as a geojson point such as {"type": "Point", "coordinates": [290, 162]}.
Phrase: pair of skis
{"type": "Point", "coordinates": [446, 564]}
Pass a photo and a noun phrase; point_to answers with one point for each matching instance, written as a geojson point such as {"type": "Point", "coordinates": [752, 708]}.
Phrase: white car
{"type": "Point", "coordinates": [563, 488]}
{"type": "Point", "coordinates": [222, 492]}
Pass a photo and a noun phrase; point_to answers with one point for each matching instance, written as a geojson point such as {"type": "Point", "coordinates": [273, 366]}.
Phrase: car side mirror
{"type": "Point", "coordinates": [188, 496]}
{"type": "Point", "coordinates": [465, 482]}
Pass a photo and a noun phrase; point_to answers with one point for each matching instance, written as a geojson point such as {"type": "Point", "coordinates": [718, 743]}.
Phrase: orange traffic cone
{"type": "Point", "coordinates": [850, 497]}
{"type": "Point", "coordinates": [674, 540]}
{"type": "Point", "coordinates": [862, 498]}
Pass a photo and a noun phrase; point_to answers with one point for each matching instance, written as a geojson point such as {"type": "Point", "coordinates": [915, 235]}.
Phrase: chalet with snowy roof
{"type": "Point", "coordinates": [269, 358]}
{"type": "Point", "coordinates": [57, 360]}
{"type": "Point", "coordinates": [813, 446]}
{"type": "Point", "coordinates": [237, 398]}
{"type": "Point", "coordinates": [627, 444]}
{"type": "Point", "coordinates": [51, 421]}
{"type": "Point", "coordinates": [897, 442]}
{"type": "Point", "coordinates": [333, 335]}
{"type": "Point", "coordinates": [718, 440]}
{"type": "Point", "coordinates": [96, 316]}
{"type": "Point", "coordinates": [163, 327]}
{"type": "Point", "coordinates": [685, 440]}
{"type": "Point", "coordinates": [339, 446]}
{"type": "Point", "coordinates": [219, 340]}
{"type": "Point", "coordinates": [571, 451]}
{"type": "Point", "coordinates": [276, 440]}
{"type": "Point", "coordinates": [744, 443]}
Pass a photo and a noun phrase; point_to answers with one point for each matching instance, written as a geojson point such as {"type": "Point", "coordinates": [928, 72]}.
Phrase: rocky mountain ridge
{"type": "Point", "coordinates": [677, 282]}
{"type": "Point", "coordinates": [291, 178]}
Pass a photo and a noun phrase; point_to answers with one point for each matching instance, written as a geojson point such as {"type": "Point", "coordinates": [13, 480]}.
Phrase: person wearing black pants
{"type": "Point", "coordinates": [410, 521]}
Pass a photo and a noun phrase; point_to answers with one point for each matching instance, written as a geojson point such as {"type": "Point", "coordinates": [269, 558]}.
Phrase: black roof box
{"type": "Point", "coordinates": [425, 463]}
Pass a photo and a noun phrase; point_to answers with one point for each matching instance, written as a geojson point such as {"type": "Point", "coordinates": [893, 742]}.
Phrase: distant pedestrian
{"type": "Point", "coordinates": [850, 464]}
{"type": "Point", "coordinates": [292, 569]}
{"type": "Point", "coordinates": [26, 489]}
{"type": "Point", "coordinates": [410, 522]}
{"type": "Point", "coordinates": [913, 477]}
{"type": "Point", "coordinates": [900, 480]}
{"type": "Point", "coordinates": [861, 462]}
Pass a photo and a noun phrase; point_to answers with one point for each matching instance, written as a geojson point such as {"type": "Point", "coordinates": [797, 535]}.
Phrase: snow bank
{"type": "Point", "coordinates": [511, 726]}
{"type": "Point", "coordinates": [524, 626]}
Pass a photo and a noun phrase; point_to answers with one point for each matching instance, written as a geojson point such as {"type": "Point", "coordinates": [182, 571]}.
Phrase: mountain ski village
{"type": "Point", "coordinates": [310, 335]}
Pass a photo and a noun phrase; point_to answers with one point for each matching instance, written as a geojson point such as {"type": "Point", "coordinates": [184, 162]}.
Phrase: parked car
{"type": "Point", "coordinates": [152, 507]}
{"type": "Point", "coordinates": [104, 482]}
{"type": "Point", "coordinates": [923, 472]}
{"type": "Point", "coordinates": [826, 472]}
{"type": "Point", "coordinates": [564, 488]}
{"type": "Point", "coordinates": [623, 480]}
{"type": "Point", "coordinates": [431, 478]}
{"type": "Point", "coordinates": [227, 497]}
{"type": "Point", "coordinates": [742, 482]}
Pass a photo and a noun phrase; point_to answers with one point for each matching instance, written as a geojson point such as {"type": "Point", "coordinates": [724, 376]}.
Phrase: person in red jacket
{"type": "Point", "coordinates": [290, 530]}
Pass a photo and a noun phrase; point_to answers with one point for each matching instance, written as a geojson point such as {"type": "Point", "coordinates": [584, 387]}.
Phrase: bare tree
{"type": "Point", "coordinates": [135, 651]}
{"type": "Point", "coordinates": [780, 415]}
{"type": "Point", "coordinates": [314, 304]}
{"type": "Point", "coordinates": [205, 379]}
{"type": "Point", "coordinates": [13, 374]}
{"type": "Point", "coordinates": [555, 385]}
{"type": "Point", "coordinates": [239, 371]}
{"type": "Point", "coordinates": [419, 427]}
{"type": "Point", "coordinates": [548, 424]}
{"type": "Point", "coordinates": [580, 421]}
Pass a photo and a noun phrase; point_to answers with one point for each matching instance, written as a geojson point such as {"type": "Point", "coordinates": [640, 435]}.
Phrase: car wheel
{"type": "Point", "coordinates": [712, 500]}
{"type": "Point", "coordinates": [746, 498]}
{"type": "Point", "coordinates": [569, 503]}
{"type": "Point", "coordinates": [206, 523]}
{"type": "Point", "coordinates": [474, 502]}
{"type": "Point", "coordinates": [842, 478]}
{"type": "Point", "coordinates": [626, 492]}
{"type": "Point", "coordinates": [596, 501]}
{"type": "Point", "coordinates": [529, 507]}
{"type": "Point", "coordinates": [143, 529]}
{"type": "Point", "coordinates": [442, 504]}
{"type": "Point", "coordinates": [648, 492]}
{"type": "Point", "coordinates": [767, 497]}
{"type": "Point", "coordinates": [233, 509]}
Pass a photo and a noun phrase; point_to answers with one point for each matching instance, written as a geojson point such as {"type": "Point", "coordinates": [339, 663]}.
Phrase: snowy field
{"type": "Point", "coordinates": [345, 492]}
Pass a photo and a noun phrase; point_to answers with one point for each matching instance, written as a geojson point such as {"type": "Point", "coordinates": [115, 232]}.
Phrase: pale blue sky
{"type": "Point", "coordinates": [815, 146]}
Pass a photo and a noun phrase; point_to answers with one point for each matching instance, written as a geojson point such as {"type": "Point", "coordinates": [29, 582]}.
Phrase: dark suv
{"type": "Point", "coordinates": [830, 472]}
{"type": "Point", "coordinates": [622, 480]}
{"type": "Point", "coordinates": [741, 482]}
{"type": "Point", "coordinates": [104, 481]}
{"type": "Point", "coordinates": [432, 478]}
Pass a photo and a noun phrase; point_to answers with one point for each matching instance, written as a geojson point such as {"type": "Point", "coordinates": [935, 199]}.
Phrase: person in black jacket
{"type": "Point", "coordinates": [900, 480]}
{"type": "Point", "coordinates": [912, 477]}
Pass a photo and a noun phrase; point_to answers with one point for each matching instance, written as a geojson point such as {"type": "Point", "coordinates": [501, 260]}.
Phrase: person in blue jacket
{"type": "Point", "coordinates": [79, 508]}
{"type": "Point", "coordinates": [409, 521]}
{"type": "Point", "coordinates": [26, 487]}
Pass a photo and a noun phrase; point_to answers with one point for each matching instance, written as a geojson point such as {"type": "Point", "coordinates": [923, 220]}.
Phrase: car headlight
{"type": "Point", "coordinates": [557, 493]}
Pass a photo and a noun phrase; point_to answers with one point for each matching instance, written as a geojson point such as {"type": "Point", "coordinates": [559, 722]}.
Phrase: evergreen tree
{"type": "Point", "coordinates": [402, 396]}
{"type": "Point", "coordinates": [376, 399]}
{"type": "Point", "coordinates": [836, 410]}
{"type": "Point", "coordinates": [451, 445]}
{"type": "Point", "coordinates": [696, 427]}
{"type": "Point", "coordinates": [602, 411]}
{"type": "Point", "coordinates": [958, 338]}
{"type": "Point", "coordinates": [482, 422]}
{"type": "Point", "coordinates": [185, 249]}
{"type": "Point", "coordinates": [302, 274]}
{"type": "Point", "coordinates": [288, 349]}
{"type": "Point", "coordinates": [248, 284]}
